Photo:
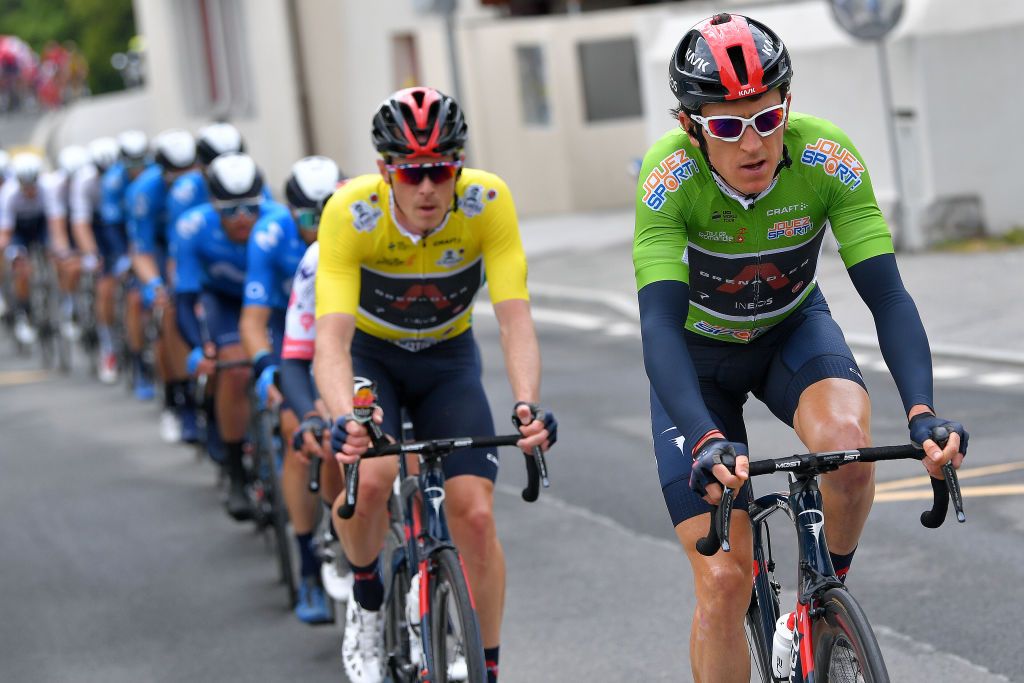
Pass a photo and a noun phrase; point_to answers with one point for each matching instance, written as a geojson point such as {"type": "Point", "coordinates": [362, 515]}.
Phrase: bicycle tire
{"type": "Point", "coordinates": [279, 516]}
{"type": "Point", "coordinates": [452, 616]}
{"type": "Point", "coordinates": [397, 579]}
{"type": "Point", "coordinates": [844, 646]}
{"type": "Point", "coordinates": [759, 643]}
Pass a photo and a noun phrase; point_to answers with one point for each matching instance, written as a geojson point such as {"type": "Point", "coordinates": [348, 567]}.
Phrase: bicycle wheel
{"type": "Point", "coordinates": [759, 640]}
{"type": "Point", "coordinates": [456, 648]}
{"type": "Point", "coordinates": [845, 648]}
{"type": "Point", "coordinates": [267, 468]}
{"type": "Point", "coordinates": [397, 578]}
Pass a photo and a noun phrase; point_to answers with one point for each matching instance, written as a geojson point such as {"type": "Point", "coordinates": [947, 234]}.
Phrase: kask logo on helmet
{"type": "Point", "coordinates": [668, 176]}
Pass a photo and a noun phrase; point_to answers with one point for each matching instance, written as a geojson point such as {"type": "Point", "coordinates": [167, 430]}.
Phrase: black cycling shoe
{"type": "Point", "coordinates": [237, 503]}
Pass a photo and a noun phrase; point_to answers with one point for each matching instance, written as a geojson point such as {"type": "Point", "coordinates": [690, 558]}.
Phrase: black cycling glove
{"type": "Point", "coordinates": [923, 426]}
{"type": "Point", "coordinates": [714, 452]}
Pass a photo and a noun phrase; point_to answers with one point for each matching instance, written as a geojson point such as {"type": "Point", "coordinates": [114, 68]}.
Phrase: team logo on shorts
{"type": "Point", "coordinates": [365, 217]}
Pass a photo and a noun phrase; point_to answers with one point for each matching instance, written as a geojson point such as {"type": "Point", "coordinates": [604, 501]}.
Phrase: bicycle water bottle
{"type": "Point", "coordinates": [782, 646]}
{"type": "Point", "coordinates": [412, 617]}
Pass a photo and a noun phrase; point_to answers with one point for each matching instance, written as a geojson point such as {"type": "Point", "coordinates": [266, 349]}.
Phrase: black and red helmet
{"type": "Point", "coordinates": [727, 57]}
{"type": "Point", "coordinates": [419, 122]}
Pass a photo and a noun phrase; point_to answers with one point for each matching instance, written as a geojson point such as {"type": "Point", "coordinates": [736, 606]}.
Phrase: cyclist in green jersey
{"type": "Point", "coordinates": [731, 210]}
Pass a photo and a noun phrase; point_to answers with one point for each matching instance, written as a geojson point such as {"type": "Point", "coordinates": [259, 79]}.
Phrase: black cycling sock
{"type": "Point", "coordinates": [169, 395]}
{"type": "Point", "coordinates": [491, 658]}
{"type": "Point", "coordinates": [841, 563]}
{"type": "Point", "coordinates": [233, 460]}
{"type": "Point", "coordinates": [309, 563]}
{"type": "Point", "coordinates": [368, 588]}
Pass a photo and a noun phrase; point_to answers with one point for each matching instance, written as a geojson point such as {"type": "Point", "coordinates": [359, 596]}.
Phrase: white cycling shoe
{"type": "Point", "coordinates": [24, 332]}
{"type": "Point", "coordinates": [107, 368]}
{"type": "Point", "coordinates": [362, 648]}
{"type": "Point", "coordinates": [170, 426]}
{"type": "Point", "coordinates": [338, 587]}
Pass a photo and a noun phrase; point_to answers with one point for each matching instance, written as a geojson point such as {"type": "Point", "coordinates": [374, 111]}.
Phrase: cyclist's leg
{"type": "Point", "coordinates": [814, 385]}
{"type": "Point", "coordinates": [450, 401]}
{"type": "Point", "coordinates": [363, 535]}
{"type": "Point", "coordinates": [722, 582]}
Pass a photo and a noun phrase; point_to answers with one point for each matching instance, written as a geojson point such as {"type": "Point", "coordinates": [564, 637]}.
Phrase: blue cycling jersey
{"type": "Point", "coordinates": [275, 249]}
{"type": "Point", "coordinates": [207, 260]}
{"type": "Point", "coordinates": [189, 191]}
{"type": "Point", "coordinates": [145, 202]}
{"type": "Point", "coordinates": [113, 186]}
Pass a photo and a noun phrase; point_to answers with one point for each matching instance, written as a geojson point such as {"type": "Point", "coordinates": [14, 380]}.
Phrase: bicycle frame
{"type": "Point", "coordinates": [419, 503]}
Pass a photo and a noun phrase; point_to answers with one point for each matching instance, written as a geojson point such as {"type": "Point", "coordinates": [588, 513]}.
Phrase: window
{"type": "Point", "coordinates": [533, 86]}
{"type": "Point", "coordinates": [215, 57]}
{"type": "Point", "coordinates": [611, 81]}
{"type": "Point", "coordinates": [406, 64]}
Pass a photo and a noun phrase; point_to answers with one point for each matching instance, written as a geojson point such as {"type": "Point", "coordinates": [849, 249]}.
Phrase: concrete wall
{"type": "Point", "coordinates": [347, 49]}
{"type": "Point", "coordinates": [569, 164]}
{"type": "Point", "coordinates": [939, 46]}
{"type": "Point", "coordinates": [273, 133]}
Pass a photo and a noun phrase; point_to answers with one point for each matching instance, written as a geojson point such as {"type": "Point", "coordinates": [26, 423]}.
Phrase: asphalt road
{"type": "Point", "coordinates": [117, 564]}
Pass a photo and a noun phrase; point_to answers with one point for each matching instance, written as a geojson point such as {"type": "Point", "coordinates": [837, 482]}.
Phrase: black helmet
{"type": "Point", "coordinates": [727, 57]}
{"type": "Point", "coordinates": [419, 122]}
{"type": "Point", "coordinates": [311, 180]}
{"type": "Point", "coordinates": [175, 150]}
{"type": "Point", "coordinates": [217, 139]}
{"type": "Point", "coordinates": [234, 176]}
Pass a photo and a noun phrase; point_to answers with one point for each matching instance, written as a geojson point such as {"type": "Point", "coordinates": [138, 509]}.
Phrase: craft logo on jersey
{"type": "Point", "coordinates": [668, 176]}
{"type": "Point", "coordinates": [364, 216]}
{"type": "Point", "coordinates": [837, 161]}
{"type": "Point", "coordinates": [792, 228]}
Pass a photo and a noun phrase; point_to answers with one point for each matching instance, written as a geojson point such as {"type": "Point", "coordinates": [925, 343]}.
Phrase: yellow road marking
{"type": "Point", "coordinates": [23, 377]}
{"type": "Point", "coordinates": [961, 474]}
{"type": "Point", "coordinates": [967, 491]}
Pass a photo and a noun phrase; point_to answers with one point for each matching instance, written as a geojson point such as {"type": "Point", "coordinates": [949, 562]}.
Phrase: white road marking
{"type": "Point", "coordinates": [950, 371]}
{"type": "Point", "coordinates": [1000, 379]}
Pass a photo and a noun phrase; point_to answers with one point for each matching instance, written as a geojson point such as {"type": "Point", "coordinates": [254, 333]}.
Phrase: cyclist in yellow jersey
{"type": "Point", "coordinates": [402, 256]}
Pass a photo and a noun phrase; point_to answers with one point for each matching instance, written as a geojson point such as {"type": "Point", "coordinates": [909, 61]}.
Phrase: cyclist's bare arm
{"type": "Point", "coordinates": [522, 352]}
{"type": "Point", "coordinates": [84, 238]}
{"type": "Point", "coordinates": [332, 362]}
{"type": "Point", "coordinates": [522, 363]}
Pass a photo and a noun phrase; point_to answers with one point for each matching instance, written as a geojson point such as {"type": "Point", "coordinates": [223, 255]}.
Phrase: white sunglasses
{"type": "Point", "coordinates": [732, 128]}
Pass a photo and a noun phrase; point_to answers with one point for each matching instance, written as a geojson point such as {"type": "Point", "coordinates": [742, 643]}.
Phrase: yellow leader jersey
{"type": "Point", "coordinates": [410, 290]}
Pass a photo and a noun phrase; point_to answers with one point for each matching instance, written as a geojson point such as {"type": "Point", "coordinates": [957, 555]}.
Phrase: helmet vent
{"type": "Point", "coordinates": [739, 63]}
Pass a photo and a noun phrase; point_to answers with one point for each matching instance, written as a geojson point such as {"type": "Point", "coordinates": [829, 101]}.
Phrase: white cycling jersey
{"type": "Point", "coordinates": [15, 204]}
{"type": "Point", "coordinates": [84, 196]}
{"type": "Point", "coordinates": [54, 188]}
{"type": "Point", "coordinates": [300, 320]}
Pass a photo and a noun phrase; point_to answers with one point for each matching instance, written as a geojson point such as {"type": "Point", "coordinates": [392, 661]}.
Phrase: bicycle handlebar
{"type": "Point", "coordinates": [436, 447]}
{"type": "Point", "coordinates": [943, 490]}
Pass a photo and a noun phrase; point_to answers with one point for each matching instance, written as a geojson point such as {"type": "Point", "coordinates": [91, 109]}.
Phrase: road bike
{"type": "Point", "coordinates": [832, 639]}
{"type": "Point", "coordinates": [262, 462]}
{"type": "Point", "coordinates": [431, 632]}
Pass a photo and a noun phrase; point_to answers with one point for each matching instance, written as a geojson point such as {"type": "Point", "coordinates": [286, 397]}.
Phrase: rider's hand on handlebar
{"type": "Point", "coordinates": [350, 438]}
{"type": "Point", "coordinates": [538, 426]}
{"type": "Point", "coordinates": [927, 432]}
{"type": "Point", "coordinates": [713, 467]}
{"type": "Point", "coordinates": [202, 360]}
